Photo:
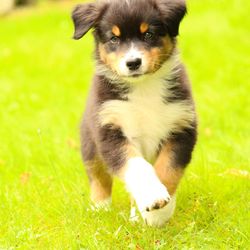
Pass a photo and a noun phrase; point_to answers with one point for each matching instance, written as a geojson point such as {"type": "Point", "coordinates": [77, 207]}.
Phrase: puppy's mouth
{"type": "Point", "coordinates": [138, 74]}
{"type": "Point", "coordinates": [132, 75]}
{"type": "Point", "coordinates": [135, 75]}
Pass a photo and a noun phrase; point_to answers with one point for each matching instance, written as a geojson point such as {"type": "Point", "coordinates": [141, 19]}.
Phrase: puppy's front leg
{"type": "Point", "coordinates": [144, 185]}
{"type": "Point", "coordinates": [126, 161]}
{"type": "Point", "coordinates": [173, 157]}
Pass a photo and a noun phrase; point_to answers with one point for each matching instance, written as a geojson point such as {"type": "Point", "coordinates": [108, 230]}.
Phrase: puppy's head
{"type": "Point", "coordinates": [133, 37]}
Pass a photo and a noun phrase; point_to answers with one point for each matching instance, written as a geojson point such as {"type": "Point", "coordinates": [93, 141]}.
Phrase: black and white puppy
{"type": "Point", "coordinates": [140, 121]}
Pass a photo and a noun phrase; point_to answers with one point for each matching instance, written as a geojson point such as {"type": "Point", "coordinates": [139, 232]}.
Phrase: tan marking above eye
{"type": "Point", "coordinates": [144, 27]}
{"type": "Point", "coordinates": [116, 31]}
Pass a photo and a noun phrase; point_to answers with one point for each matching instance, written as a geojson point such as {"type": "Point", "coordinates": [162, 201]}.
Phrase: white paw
{"type": "Point", "coordinates": [144, 185]}
{"type": "Point", "coordinates": [159, 218]}
{"type": "Point", "coordinates": [154, 196]}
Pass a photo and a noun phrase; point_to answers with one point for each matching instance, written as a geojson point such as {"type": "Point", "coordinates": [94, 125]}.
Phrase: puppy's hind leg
{"type": "Point", "coordinates": [100, 184]}
{"type": "Point", "coordinates": [99, 178]}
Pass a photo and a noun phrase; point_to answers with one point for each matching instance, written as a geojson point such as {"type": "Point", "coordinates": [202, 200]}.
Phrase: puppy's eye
{"type": "Point", "coordinates": [115, 39]}
{"type": "Point", "coordinates": [148, 36]}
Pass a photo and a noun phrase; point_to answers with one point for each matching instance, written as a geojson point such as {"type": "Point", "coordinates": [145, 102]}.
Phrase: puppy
{"type": "Point", "coordinates": [140, 121]}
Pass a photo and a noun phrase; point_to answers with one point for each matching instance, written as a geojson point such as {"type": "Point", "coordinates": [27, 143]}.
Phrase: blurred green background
{"type": "Point", "coordinates": [44, 80]}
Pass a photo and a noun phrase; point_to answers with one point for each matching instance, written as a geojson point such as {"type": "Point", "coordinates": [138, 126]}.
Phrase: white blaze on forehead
{"type": "Point", "coordinates": [133, 53]}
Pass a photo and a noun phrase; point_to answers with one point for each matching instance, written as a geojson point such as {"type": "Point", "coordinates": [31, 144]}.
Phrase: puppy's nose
{"type": "Point", "coordinates": [134, 64]}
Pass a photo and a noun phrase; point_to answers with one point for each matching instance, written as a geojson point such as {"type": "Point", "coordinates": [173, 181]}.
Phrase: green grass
{"type": "Point", "coordinates": [44, 78]}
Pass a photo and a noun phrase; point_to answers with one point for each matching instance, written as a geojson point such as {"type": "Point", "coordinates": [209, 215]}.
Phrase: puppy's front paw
{"type": "Point", "coordinates": [159, 203]}
{"type": "Point", "coordinates": [159, 217]}
{"type": "Point", "coordinates": [154, 197]}
{"type": "Point", "coordinates": [145, 187]}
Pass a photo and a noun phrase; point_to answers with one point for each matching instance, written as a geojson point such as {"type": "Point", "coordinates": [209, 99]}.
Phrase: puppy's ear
{"type": "Point", "coordinates": [85, 16]}
{"type": "Point", "coordinates": [172, 12]}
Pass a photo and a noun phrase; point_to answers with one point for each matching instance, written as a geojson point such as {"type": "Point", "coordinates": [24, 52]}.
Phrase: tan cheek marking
{"type": "Point", "coordinates": [156, 56]}
{"type": "Point", "coordinates": [110, 59]}
{"type": "Point", "coordinates": [116, 31]}
{"type": "Point", "coordinates": [144, 27]}
{"type": "Point", "coordinates": [167, 47]}
{"type": "Point", "coordinates": [103, 53]}
{"type": "Point", "coordinates": [153, 59]}
{"type": "Point", "coordinates": [169, 175]}
{"type": "Point", "coordinates": [113, 61]}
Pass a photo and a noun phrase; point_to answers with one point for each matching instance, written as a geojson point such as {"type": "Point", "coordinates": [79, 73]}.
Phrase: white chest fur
{"type": "Point", "coordinates": [145, 119]}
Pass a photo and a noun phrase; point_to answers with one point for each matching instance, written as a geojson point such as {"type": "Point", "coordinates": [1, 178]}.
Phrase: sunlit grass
{"type": "Point", "coordinates": [44, 78]}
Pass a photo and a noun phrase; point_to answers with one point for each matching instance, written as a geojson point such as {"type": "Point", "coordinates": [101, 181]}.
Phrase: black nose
{"type": "Point", "coordinates": [134, 64]}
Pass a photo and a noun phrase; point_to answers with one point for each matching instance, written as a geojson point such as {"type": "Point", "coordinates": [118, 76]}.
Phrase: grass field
{"type": "Point", "coordinates": [44, 78]}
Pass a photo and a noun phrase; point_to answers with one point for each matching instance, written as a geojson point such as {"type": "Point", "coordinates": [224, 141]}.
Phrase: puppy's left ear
{"type": "Point", "coordinates": [172, 12]}
{"type": "Point", "coordinates": [85, 16]}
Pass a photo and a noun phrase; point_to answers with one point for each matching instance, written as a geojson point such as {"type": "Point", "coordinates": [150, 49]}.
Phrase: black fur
{"type": "Point", "coordinates": [182, 145]}
{"type": "Point", "coordinates": [106, 90]}
{"type": "Point", "coordinates": [112, 142]}
{"type": "Point", "coordinates": [164, 15]}
{"type": "Point", "coordinates": [172, 12]}
{"type": "Point", "coordinates": [85, 16]}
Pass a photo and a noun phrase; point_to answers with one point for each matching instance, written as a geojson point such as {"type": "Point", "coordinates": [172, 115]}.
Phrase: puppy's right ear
{"type": "Point", "coordinates": [85, 17]}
